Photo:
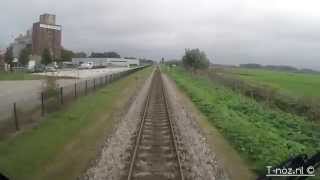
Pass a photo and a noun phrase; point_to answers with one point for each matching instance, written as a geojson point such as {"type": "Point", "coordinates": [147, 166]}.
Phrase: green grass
{"type": "Point", "coordinates": [294, 84]}
{"type": "Point", "coordinates": [263, 136]}
{"type": "Point", "coordinates": [62, 146]}
{"type": "Point", "coordinates": [11, 76]}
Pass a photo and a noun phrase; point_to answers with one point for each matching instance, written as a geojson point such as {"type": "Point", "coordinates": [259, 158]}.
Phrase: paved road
{"type": "Point", "coordinates": [27, 93]}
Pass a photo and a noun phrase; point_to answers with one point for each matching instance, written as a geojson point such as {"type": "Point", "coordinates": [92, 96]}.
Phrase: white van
{"type": "Point", "coordinates": [31, 65]}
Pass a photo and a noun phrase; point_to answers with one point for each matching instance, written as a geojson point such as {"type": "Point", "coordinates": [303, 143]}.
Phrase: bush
{"type": "Point", "coordinates": [195, 59]}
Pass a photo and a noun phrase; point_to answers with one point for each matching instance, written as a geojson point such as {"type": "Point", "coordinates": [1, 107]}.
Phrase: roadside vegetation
{"type": "Point", "coordinates": [293, 84]}
{"type": "Point", "coordinates": [63, 145]}
{"type": "Point", "coordinates": [263, 135]}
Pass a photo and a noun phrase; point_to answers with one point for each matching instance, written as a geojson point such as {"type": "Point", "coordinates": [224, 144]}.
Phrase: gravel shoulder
{"type": "Point", "coordinates": [205, 153]}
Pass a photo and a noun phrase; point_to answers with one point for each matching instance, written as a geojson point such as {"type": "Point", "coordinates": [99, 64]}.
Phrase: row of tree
{"type": "Point", "coordinates": [105, 55]}
{"type": "Point", "coordinates": [24, 56]}
{"type": "Point", "coordinates": [193, 59]}
{"type": "Point", "coordinates": [278, 68]}
{"type": "Point", "coordinates": [66, 55]}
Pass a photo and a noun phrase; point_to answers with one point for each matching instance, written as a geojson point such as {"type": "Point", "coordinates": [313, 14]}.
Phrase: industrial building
{"type": "Point", "coordinates": [107, 62]}
{"type": "Point", "coordinates": [2, 54]}
{"type": "Point", "coordinates": [21, 42]}
{"type": "Point", "coordinates": [46, 34]}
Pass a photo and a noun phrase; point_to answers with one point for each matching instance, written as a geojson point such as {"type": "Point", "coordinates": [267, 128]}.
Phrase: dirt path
{"type": "Point", "coordinates": [208, 154]}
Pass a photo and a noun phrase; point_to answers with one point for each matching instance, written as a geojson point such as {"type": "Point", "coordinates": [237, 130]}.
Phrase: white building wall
{"type": "Point", "coordinates": [121, 62]}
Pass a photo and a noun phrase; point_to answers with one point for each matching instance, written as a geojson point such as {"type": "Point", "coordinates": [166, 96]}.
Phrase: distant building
{"type": "Point", "coordinates": [22, 41]}
{"type": "Point", "coordinates": [2, 53]}
{"type": "Point", "coordinates": [46, 35]}
{"type": "Point", "coordinates": [107, 62]}
{"type": "Point", "coordinates": [2, 62]}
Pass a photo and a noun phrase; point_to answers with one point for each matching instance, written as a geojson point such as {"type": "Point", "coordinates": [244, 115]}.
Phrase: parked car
{"type": "Point", "coordinates": [38, 68]}
{"type": "Point", "coordinates": [51, 69]}
{"type": "Point", "coordinates": [87, 65]}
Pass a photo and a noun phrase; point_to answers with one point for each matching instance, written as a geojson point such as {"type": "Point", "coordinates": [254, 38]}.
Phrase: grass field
{"type": "Point", "coordinates": [11, 76]}
{"type": "Point", "coordinates": [263, 136]}
{"type": "Point", "coordinates": [294, 84]}
{"type": "Point", "coordinates": [62, 146]}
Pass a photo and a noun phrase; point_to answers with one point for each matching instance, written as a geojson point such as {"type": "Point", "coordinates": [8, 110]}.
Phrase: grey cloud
{"type": "Point", "coordinates": [231, 32]}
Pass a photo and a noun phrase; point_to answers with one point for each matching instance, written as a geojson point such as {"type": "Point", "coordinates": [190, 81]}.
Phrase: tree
{"type": "Point", "coordinates": [195, 59]}
{"type": "Point", "coordinates": [97, 55]}
{"type": "Point", "coordinates": [80, 55]}
{"type": "Point", "coordinates": [112, 55]}
{"type": "Point", "coordinates": [66, 55]}
{"type": "Point", "coordinates": [144, 61]}
{"type": "Point", "coordinates": [105, 55]}
{"type": "Point", "coordinates": [130, 57]}
{"type": "Point", "coordinates": [8, 56]}
{"type": "Point", "coordinates": [46, 57]}
{"type": "Point", "coordinates": [24, 56]}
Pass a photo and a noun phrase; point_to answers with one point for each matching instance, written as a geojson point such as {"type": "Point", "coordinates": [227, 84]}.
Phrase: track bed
{"type": "Point", "coordinates": [155, 154]}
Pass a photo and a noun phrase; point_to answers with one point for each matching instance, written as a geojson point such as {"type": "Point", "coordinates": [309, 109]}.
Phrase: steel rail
{"type": "Point", "coordinates": [146, 107]}
{"type": "Point", "coordinates": [172, 130]}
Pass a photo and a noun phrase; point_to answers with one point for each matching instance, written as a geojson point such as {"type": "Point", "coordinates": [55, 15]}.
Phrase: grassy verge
{"type": "Point", "coordinates": [263, 136]}
{"type": "Point", "coordinates": [12, 76]}
{"type": "Point", "coordinates": [293, 84]}
{"type": "Point", "coordinates": [62, 146]}
{"type": "Point", "coordinates": [295, 93]}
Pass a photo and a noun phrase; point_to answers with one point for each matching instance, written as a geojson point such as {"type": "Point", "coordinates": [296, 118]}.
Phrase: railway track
{"type": "Point", "coordinates": [155, 155]}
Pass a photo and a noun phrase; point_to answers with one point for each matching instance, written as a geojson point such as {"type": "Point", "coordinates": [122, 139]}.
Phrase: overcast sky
{"type": "Point", "coordinates": [230, 31]}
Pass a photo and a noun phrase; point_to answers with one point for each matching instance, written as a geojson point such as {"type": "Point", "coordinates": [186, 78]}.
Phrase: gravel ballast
{"type": "Point", "coordinates": [198, 160]}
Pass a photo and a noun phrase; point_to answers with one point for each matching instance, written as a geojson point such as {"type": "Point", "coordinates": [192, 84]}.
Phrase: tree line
{"type": "Point", "coordinates": [47, 58]}
{"type": "Point", "coordinates": [278, 68]}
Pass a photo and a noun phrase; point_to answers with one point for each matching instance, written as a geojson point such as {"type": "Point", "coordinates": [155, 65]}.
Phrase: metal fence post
{"type": "Point", "coordinates": [75, 89]}
{"type": "Point", "coordinates": [16, 121]}
{"type": "Point", "coordinates": [94, 83]}
{"type": "Point", "coordinates": [61, 95]}
{"type": "Point", "coordinates": [42, 103]}
{"type": "Point", "coordinates": [86, 88]}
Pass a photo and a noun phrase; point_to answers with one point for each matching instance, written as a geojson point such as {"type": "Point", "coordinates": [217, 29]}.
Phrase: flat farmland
{"type": "Point", "coordinates": [293, 84]}
{"type": "Point", "coordinates": [261, 134]}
